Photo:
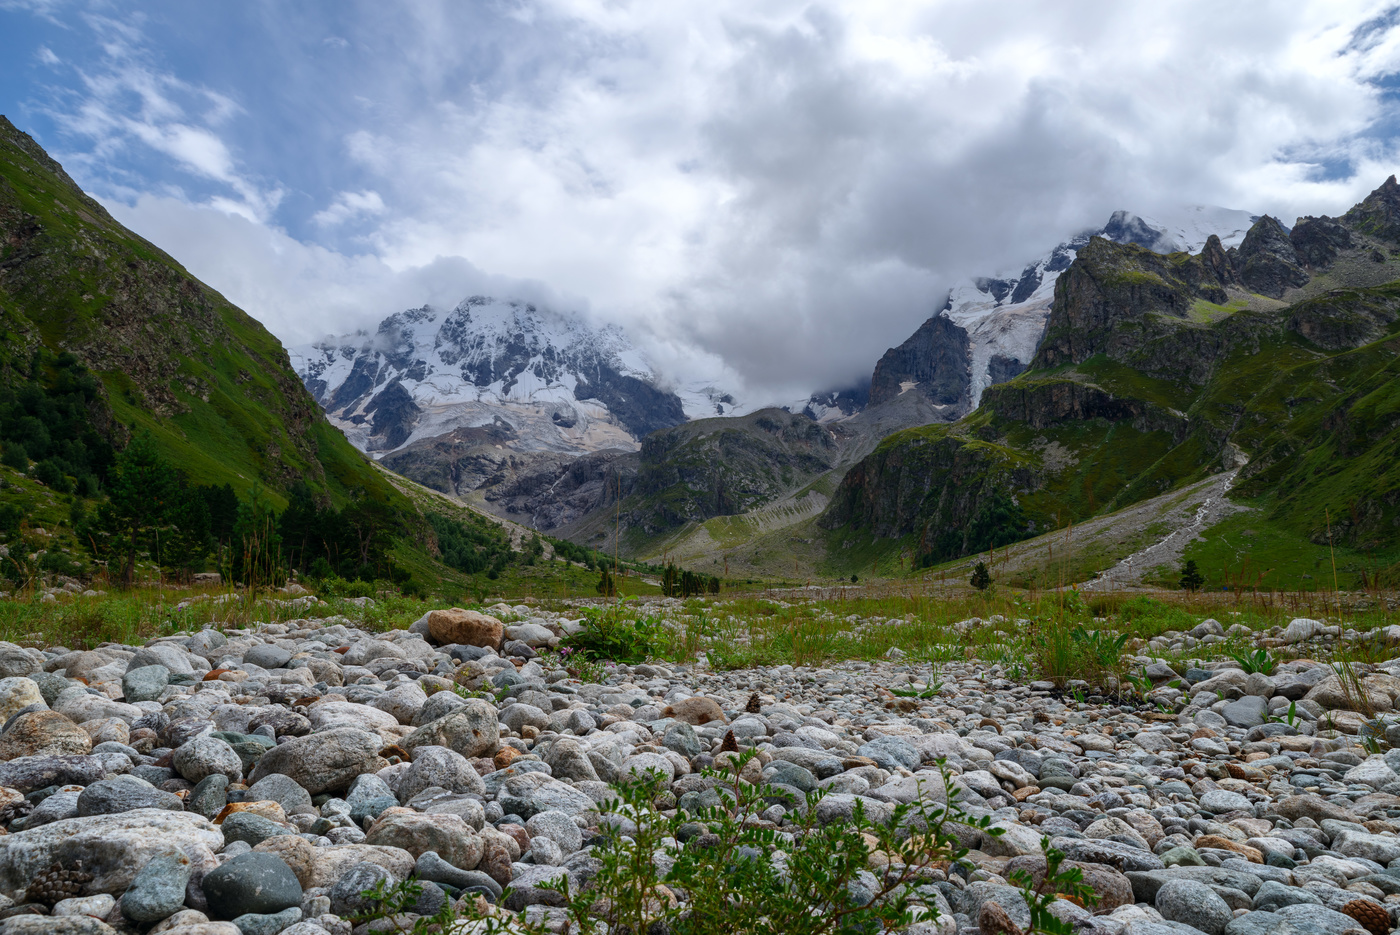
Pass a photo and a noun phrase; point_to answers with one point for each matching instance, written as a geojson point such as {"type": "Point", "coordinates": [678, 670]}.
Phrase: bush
{"type": "Point", "coordinates": [61, 563]}
{"type": "Point", "coordinates": [50, 474]}
{"type": "Point", "coordinates": [15, 456]}
{"type": "Point", "coordinates": [737, 874]}
{"type": "Point", "coordinates": [610, 634]}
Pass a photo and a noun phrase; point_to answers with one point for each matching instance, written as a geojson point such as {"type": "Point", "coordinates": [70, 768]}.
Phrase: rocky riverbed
{"type": "Point", "coordinates": [258, 781]}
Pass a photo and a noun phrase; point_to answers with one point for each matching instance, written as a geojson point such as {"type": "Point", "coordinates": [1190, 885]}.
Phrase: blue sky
{"type": "Point", "coordinates": [770, 192]}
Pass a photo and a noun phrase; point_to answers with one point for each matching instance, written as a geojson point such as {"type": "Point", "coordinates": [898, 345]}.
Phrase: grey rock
{"type": "Point", "coordinates": [283, 790]}
{"type": "Point", "coordinates": [1194, 904]}
{"type": "Point", "coordinates": [1249, 711]}
{"type": "Point", "coordinates": [680, 737]}
{"type": "Point", "coordinates": [145, 683]}
{"type": "Point", "coordinates": [255, 882]}
{"type": "Point", "coordinates": [1273, 895]}
{"type": "Point", "coordinates": [251, 828]}
{"type": "Point", "coordinates": [1115, 854]}
{"type": "Point", "coordinates": [323, 762]}
{"type": "Point", "coordinates": [558, 827]}
{"type": "Point", "coordinates": [204, 756]}
{"type": "Point", "coordinates": [267, 656]}
{"type": "Point", "coordinates": [438, 766]}
{"type": "Point", "coordinates": [263, 924]}
{"type": "Point", "coordinates": [471, 729]}
{"type": "Point", "coordinates": [518, 716]}
{"type": "Point", "coordinates": [568, 759]}
{"type": "Point", "coordinates": [1147, 883]}
{"type": "Point", "coordinates": [158, 890]}
{"type": "Point", "coordinates": [124, 793]}
{"type": "Point", "coordinates": [209, 796]}
{"type": "Point", "coordinates": [27, 773]}
{"type": "Point", "coordinates": [348, 894]}
{"type": "Point", "coordinates": [1220, 800]}
{"type": "Point", "coordinates": [172, 657]}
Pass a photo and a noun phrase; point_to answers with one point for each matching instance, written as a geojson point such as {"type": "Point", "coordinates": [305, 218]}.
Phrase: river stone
{"type": "Point", "coordinates": [467, 627]}
{"type": "Point", "coordinates": [452, 838]}
{"type": "Point", "coordinates": [1274, 895]}
{"type": "Point", "coordinates": [251, 828]}
{"type": "Point", "coordinates": [174, 658]}
{"type": "Point", "coordinates": [65, 925]}
{"type": "Point", "coordinates": [323, 762]}
{"type": "Point", "coordinates": [1147, 883]}
{"type": "Point", "coordinates": [267, 656]}
{"type": "Point", "coordinates": [205, 756]}
{"type": "Point", "coordinates": [283, 790]}
{"type": "Point", "coordinates": [254, 882]}
{"type": "Point", "coordinates": [111, 847]}
{"type": "Point", "coordinates": [43, 733]}
{"type": "Point", "coordinates": [331, 863]}
{"type": "Point", "coordinates": [347, 895]}
{"type": "Point", "coordinates": [209, 796]}
{"type": "Point", "coordinates": [145, 683]}
{"type": "Point", "coordinates": [1249, 711]}
{"type": "Point", "coordinates": [124, 794]}
{"type": "Point", "coordinates": [1221, 800]}
{"type": "Point", "coordinates": [471, 729]}
{"type": "Point", "coordinates": [528, 793]}
{"type": "Point", "coordinates": [18, 693]}
{"type": "Point", "coordinates": [438, 766]}
{"type": "Point", "coordinates": [1193, 904]}
{"type": "Point", "coordinates": [28, 773]}
{"type": "Point", "coordinates": [158, 890]}
{"type": "Point", "coordinates": [16, 660]}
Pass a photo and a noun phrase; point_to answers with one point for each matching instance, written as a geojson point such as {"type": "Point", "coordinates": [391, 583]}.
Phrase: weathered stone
{"type": "Point", "coordinates": [325, 761]}
{"type": "Point", "coordinates": [112, 847]}
{"type": "Point", "coordinates": [467, 627]}
{"type": "Point", "coordinates": [471, 729]}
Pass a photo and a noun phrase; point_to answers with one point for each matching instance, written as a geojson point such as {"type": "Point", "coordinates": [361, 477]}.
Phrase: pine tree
{"type": "Point", "coordinates": [143, 492]}
{"type": "Point", "coordinates": [606, 586]}
{"type": "Point", "coordinates": [1191, 577]}
{"type": "Point", "coordinates": [981, 578]}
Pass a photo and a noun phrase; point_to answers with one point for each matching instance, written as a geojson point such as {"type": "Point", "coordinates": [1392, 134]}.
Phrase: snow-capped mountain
{"type": "Point", "coordinates": [988, 328]}
{"type": "Point", "coordinates": [540, 381]}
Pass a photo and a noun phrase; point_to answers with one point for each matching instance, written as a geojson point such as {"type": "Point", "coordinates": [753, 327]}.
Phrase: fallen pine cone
{"type": "Point", "coordinates": [56, 884]}
{"type": "Point", "coordinates": [754, 706]}
{"type": "Point", "coordinates": [1371, 916]}
{"type": "Point", "coordinates": [729, 744]}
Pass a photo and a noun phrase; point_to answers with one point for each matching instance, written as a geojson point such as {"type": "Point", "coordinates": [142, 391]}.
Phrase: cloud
{"type": "Point", "coordinates": [775, 190]}
{"type": "Point", "coordinates": [348, 206]}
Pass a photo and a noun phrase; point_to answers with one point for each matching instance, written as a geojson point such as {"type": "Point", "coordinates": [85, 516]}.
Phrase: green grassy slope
{"type": "Point", "coordinates": [173, 356]}
{"type": "Point", "coordinates": [1146, 384]}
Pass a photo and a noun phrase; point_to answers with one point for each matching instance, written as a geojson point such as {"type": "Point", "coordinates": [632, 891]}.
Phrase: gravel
{"type": "Point", "coordinates": [1228, 803]}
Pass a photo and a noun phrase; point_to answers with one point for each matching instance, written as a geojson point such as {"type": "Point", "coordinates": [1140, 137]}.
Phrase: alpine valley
{"type": "Point", "coordinates": [1213, 386]}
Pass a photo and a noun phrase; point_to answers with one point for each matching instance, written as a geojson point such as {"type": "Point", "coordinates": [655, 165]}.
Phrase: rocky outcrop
{"type": "Point", "coordinates": [934, 360]}
{"type": "Point", "coordinates": [1267, 262]}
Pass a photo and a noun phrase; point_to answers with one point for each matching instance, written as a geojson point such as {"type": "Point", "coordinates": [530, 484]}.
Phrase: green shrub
{"type": "Point", "coordinates": [61, 563]}
{"type": "Point", "coordinates": [1149, 617]}
{"type": "Point", "coordinates": [15, 456]}
{"type": "Point", "coordinates": [612, 634]}
{"type": "Point", "coordinates": [736, 874]}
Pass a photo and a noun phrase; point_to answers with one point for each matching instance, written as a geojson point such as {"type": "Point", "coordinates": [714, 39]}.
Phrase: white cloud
{"type": "Point", "coordinates": [348, 206]}
{"type": "Point", "coordinates": [47, 56]}
{"type": "Point", "coordinates": [783, 185]}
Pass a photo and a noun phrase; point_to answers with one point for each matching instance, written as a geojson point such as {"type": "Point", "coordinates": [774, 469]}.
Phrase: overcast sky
{"type": "Point", "coordinates": [766, 191]}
